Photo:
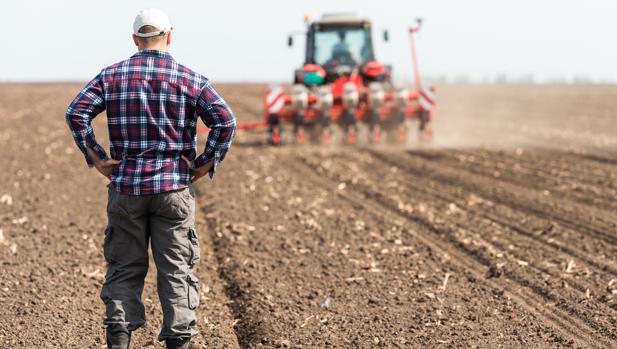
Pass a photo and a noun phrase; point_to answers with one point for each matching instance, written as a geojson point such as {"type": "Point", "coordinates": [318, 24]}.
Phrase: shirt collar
{"type": "Point", "coordinates": [153, 53]}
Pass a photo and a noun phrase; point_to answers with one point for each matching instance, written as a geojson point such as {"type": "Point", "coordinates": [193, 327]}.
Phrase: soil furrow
{"type": "Point", "coordinates": [569, 165]}
{"type": "Point", "coordinates": [596, 282]}
{"type": "Point", "coordinates": [558, 184]}
{"type": "Point", "coordinates": [544, 232]}
{"type": "Point", "coordinates": [577, 217]}
{"type": "Point", "coordinates": [445, 192]}
{"type": "Point", "coordinates": [533, 302]}
{"type": "Point", "coordinates": [597, 158]}
{"type": "Point", "coordinates": [452, 223]}
{"type": "Point", "coordinates": [248, 327]}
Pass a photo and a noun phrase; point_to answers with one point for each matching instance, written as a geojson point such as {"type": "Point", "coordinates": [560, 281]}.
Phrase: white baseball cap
{"type": "Point", "coordinates": [154, 17]}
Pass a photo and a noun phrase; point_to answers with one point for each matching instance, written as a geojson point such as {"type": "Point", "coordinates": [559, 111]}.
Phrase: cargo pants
{"type": "Point", "coordinates": [167, 221]}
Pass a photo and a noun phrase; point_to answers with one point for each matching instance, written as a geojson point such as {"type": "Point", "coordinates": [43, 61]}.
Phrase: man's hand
{"type": "Point", "coordinates": [105, 167]}
{"type": "Point", "coordinates": [198, 172]}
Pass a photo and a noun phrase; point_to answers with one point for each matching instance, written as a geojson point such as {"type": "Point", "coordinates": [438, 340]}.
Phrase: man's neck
{"type": "Point", "coordinates": [157, 48]}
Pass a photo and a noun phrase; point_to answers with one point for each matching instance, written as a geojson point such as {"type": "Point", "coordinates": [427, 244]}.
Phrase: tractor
{"type": "Point", "coordinates": [342, 84]}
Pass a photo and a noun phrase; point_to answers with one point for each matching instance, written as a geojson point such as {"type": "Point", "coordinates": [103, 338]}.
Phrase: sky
{"type": "Point", "coordinates": [245, 41]}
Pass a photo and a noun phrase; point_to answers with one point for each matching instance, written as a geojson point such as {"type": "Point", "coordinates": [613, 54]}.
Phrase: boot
{"type": "Point", "coordinates": [118, 337]}
{"type": "Point", "coordinates": [178, 343]}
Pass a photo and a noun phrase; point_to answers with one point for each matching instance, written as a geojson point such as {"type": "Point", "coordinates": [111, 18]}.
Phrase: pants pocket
{"type": "Point", "coordinates": [174, 205]}
{"type": "Point", "coordinates": [193, 248]}
{"type": "Point", "coordinates": [117, 204]}
{"type": "Point", "coordinates": [193, 292]}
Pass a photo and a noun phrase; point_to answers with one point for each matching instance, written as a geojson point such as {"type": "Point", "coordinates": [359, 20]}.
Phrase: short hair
{"type": "Point", "coordinates": [150, 29]}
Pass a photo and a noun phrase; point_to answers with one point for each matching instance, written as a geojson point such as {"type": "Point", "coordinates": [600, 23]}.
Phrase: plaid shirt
{"type": "Point", "coordinates": [152, 106]}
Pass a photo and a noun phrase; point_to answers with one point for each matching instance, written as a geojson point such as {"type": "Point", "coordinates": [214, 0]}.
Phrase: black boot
{"type": "Point", "coordinates": [180, 343]}
{"type": "Point", "coordinates": [118, 337]}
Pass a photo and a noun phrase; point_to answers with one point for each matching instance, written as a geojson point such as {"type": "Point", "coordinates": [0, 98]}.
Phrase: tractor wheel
{"type": "Point", "coordinates": [424, 129]}
{"type": "Point", "coordinates": [350, 126]}
{"type": "Point", "coordinates": [299, 128]}
{"type": "Point", "coordinates": [325, 128]}
{"type": "Point", "coordinates": [300, 135]}
{"type": "Point", "coordinates": [274, 130]}
{"type": "Point", "coordinates": [375, 128]}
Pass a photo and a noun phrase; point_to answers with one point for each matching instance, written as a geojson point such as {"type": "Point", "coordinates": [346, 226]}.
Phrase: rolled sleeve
{"type": "Point", "coordinates": [86, 106]}
{"type": "Point", "coordinates": [219, 118]}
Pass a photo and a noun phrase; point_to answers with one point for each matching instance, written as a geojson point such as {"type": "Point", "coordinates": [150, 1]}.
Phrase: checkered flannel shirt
{"type": "Point", "coordinates": [152, 105]}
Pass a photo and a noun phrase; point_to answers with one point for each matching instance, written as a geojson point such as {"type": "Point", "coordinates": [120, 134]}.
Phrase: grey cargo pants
{"type": "Point", "coordinates": [168, 221]}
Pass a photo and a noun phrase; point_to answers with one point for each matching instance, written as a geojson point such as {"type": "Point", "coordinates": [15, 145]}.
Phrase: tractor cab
{"type": "Point", "coordinates": [335, 46]}
{"type": "Point", "coordinates": [339, 43]}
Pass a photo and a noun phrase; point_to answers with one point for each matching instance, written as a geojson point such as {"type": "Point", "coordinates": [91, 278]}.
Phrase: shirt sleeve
{"type": "Point", "coordinates": [86, 106]}
{"type": "Point", "coordinates": [217, 116]}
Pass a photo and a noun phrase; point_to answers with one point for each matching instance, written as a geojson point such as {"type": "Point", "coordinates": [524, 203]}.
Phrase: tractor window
{"type": "Point", "coordinates": [342, 46]}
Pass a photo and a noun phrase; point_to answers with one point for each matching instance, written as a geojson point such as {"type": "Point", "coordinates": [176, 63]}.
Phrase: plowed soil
{"type": "Point", "coordinates": [500, 234]}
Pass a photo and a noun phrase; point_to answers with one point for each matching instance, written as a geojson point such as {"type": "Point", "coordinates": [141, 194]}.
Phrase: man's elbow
{"type": "Point", "coordinates": [70, 115]}
{"type": "Point", "coordinates": [76, 117]}
{"type": "Point", "coordinates": [230, 125]}
{"type": "Point", "coordinates": [234, 127]}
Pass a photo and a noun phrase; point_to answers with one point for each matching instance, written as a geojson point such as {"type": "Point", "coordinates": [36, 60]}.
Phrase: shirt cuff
{"type": "Point", "coordinates": [203, 159]}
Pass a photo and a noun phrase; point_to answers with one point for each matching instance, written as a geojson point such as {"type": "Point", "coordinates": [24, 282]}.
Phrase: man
{"type": "Point", "coordinates": [152, 106]}
{"type": "Point", "coordinates": [341, 46]}
{"type": "Point", "coordinates": [341, 54]}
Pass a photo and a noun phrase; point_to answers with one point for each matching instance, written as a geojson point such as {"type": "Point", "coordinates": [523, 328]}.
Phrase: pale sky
{"type": "Point", "coordinates": [234, 40]}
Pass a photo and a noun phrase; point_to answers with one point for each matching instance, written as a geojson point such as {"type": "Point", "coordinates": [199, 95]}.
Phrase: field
{"type": "Point", "coordinates": [501, 234]}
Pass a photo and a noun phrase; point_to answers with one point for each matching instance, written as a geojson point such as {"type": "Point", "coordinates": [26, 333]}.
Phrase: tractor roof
{"type": "Point", "coordinates": [341, 18]}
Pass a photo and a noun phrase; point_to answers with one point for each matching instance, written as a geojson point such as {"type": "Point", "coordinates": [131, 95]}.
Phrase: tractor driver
{"type": "Point", "coordinates": [341, 54]}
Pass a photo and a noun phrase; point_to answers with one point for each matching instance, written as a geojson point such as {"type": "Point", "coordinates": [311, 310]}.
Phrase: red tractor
{"type": "Point", "coordinates": [341, 83]}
